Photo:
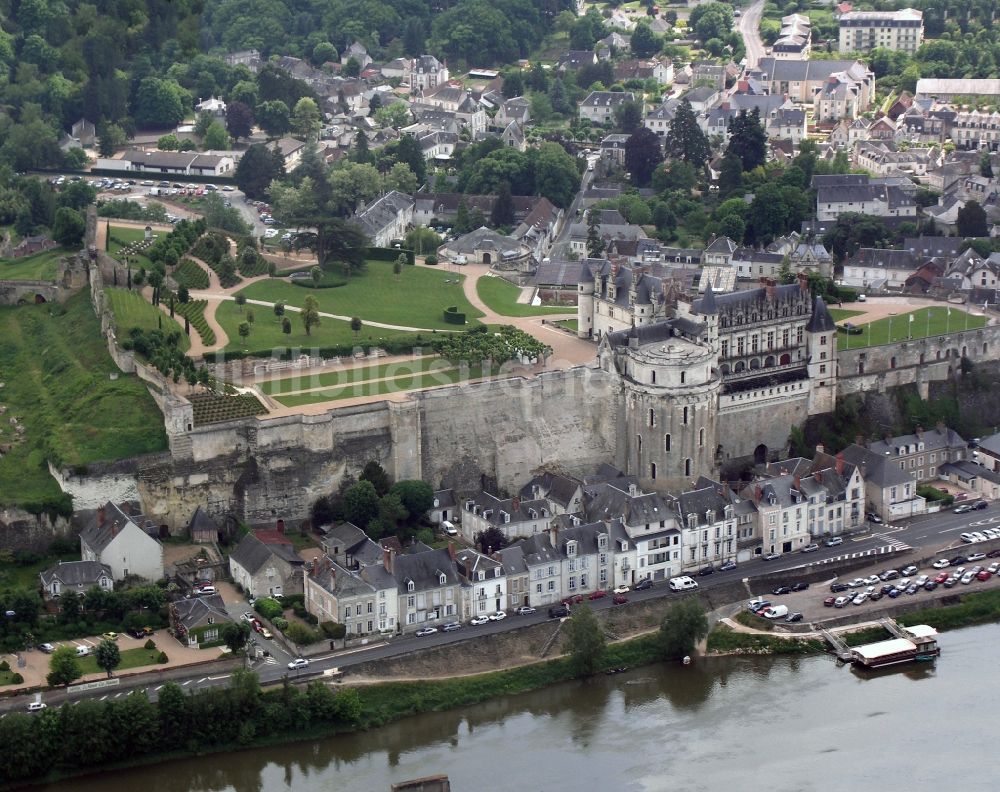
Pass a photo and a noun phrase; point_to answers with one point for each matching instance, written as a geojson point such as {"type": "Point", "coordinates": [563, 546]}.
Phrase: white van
{"type": "Point", "coordinates": [683, 583]}
{"type": "Point", "coordinates": [82, 651]}
{"type": "Point", "coordinates": [775, 612]}
{"type": "Point", "coordinates": [449, 528]}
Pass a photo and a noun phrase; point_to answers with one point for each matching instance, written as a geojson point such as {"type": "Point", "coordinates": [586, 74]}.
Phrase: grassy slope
{"type": "Point", "coordinates": [298, 382]}
{"type": "Point", "coordinates": [55, 370]}
{"type": "Point", "coordinates": [501, 296]}
{"type": "Point", "coordinates": [41, 266]}
{"type": "Point", "coordinates": [416, 299]}
{"type": "Point", "coordinates": [132, 310]}
{"type": "Point", "coordinates": [840, 314]}
{"type": "Point", "coordinates": [414, 381]}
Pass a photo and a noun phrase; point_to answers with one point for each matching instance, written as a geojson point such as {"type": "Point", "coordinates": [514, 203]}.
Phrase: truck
{"type": "Point", "coordinates": [776, 612]}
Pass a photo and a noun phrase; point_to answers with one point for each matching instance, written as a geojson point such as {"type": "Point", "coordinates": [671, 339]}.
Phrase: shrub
{"type": "Point", "coordinates": [431, 260]}
{"type": "Point", "coordinates": [300, 634]}
{"type": "Point", "coordinates": [4, 666]}
{"type": "Point", "coordinates": [311, 619]}
{"type": "Point", "coordinates": [453, 316]}
{"type": "Point", "coordinates": [162, 658]}
{"type": "Point", "coordinates": [280, 623]}
{"type": "Point", "coordinates": [149, 645]}
{"type": "Point", "coordinates": [333, 629]}
{"type": "Point", "coordinates": [268, 607]}
{"type": "Point", "coordinates": [17, 679]}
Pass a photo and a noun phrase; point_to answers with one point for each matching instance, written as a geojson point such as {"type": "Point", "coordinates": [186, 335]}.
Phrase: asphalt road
{"type": "Point", "coordinates": [749, 27]}
{"type": "Point", "coordinates": [935, 534]}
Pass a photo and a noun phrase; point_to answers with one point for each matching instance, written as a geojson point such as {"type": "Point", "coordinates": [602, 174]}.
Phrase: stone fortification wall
{"type": "Point", "coordinates": [761, 418]}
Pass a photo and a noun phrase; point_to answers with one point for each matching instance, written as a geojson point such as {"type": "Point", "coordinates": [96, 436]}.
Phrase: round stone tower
{"type": "Point", "coordinates": [670, 387]}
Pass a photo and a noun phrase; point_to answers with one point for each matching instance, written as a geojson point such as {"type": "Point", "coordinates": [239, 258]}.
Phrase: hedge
{"type": "Point", "coordinates": [393, 347]}
{"type": "Point", "coordinates": [850, 329]}
{"type": "Point", "coordinates": [189, 274]}
{"type": "Point", "coordinates": [389, 254]}
{"type": "Point", "coordinates": [453, 316]}
{"type": "Point", "coordinates": [194, 310]}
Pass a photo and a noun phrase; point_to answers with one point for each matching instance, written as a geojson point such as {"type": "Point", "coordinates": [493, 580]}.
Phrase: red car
{"type": "Point", "coordinates": [619, 599]}
{"type": "Point", "coordinates": [599, 594]}
{"type": "Point", "coordinates": [984, 575]}
{"type": "Point", "coordinates": [941, 578]}
{"type": "Point", "coordinates": [573, 600]}
{"type": "Point", "coordinates": [257, 626]}
{"type": "Point", "coordinates": [829, 601]}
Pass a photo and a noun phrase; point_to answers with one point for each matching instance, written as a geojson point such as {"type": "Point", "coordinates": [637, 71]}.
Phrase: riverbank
{"type": "Point", "coordinates": [319, 712]}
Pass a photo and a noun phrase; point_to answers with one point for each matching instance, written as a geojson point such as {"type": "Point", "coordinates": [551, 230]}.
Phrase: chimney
{"type": "Point", "coordinates": [387, 559]}
{"type": "Point", "coordinates": [102, 516]}
{"type": "Point", "coordinates": [941, 427]}
{"type": "Point", "coordinates": [515, 504]}
{"type": "Point", "coordinates": [314, 567]}
{"type": "Point", "coordinates": [797, 481]}
{"type": "Point", "coordinates": [859, 440]}
{"type": "Point", "coordinates": [820, 448]}
{"type": "Point", "coordinates": [451, 550]}
{"type": "Point", "coordinates": [114, 529]}
{"type": "Point", "coordinates": [818, 476]}
{"type": "Point", "coordinates": [281, 526]}
{"type": "Point", "coordinates": [919, 432]}
{"type": "Point", "coordinates": [758, 493]}
{"type": "Point", "coordinates": [803, 281]}
{"type": "Point", "coordinates": [840, 463]}
{"type": "Point", "coordinates": [554, 534]}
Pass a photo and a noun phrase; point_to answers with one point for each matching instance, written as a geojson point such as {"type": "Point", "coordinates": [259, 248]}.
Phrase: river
{"type": "Point", "coordinates": [735, 723]}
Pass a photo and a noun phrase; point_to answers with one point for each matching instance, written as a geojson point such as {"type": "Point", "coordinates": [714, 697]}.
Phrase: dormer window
{"type": "Point", "coordinates": [692, 521]}
{"type": "Point", "coordinates": [442, 579]}
{"type": "Point", "coordinates": [409, 585]}
{"type": "Point", "coordinates": [602, 541]}
{"type": "Point", "coordinates": [496, 572]}
{"type": "Point", "coordinates": [571, 548]}
{"type": "Point", "coordinates": [481, 575]}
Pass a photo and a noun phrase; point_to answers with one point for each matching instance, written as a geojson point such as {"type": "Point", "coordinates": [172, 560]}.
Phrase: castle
{"type": "Point", "coordinates": [692, 371]}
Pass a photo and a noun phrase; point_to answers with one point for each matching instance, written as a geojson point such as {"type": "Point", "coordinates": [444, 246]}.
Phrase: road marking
{"type": "Point", "coordinates": [119, 695]}
{"type": "Point", "coordinates": [894, 547]}
{"type": "Point", "coordinates": [202, 680]}
{"type": "Point", "coordinates": [224, 676]}
{"type": "Point", "coordinates": [158, 687]}
{"type": "Point", "coordinates": [104, 696]}
{"type": "Point", "coordinates": [188, 682]}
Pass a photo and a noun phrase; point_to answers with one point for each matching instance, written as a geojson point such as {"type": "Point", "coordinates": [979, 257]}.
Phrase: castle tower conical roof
{"type": "Point", "coordinates": [820, 321]}
{"type": "Point", "coordinates": [707, 305]}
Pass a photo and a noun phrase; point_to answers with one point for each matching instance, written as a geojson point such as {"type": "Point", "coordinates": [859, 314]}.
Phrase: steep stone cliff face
{"type": "Point", "coordinates": [21, 530]}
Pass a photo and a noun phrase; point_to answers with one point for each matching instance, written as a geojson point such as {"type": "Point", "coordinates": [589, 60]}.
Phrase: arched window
{"type": "Point", "coordinates": [683, 376]}
{"type": "Point", "coordinates": [638, 443]}
{"type": "Point", "coordinates": [892, 362]}
{"type": "Point", "coordinates": [652, 417]}
{"type": "Point", "coordinates": [652, 377]}
{"type": "Point", "coordinates": [685, 420]}
{"type": "Point", "coordinates": [652, 470]}
{"type": "Point", "coordinates": [687, 467]}
{"type": "Point", "coordinates": [701, 437]}
{"type": "Point", "coordinates": [666, 442]}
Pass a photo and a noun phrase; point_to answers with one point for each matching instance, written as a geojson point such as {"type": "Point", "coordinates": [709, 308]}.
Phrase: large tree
{"type": "Point", "coordinates": [642, 154]}
{"type": "Point", "coordinates": [310, 314]}
{"type": "Point", "coordinates": [748, 140]}
{"type": "Point", "coordinates": [361, 504]}
{"type": "Point", "coordinates": [239, 120]}
{"type": "Point", "coordinates": [108, 656]}
{"type": "Point", "coordinates": [235, 635]}
{"type": "Point", "coordinates": [69, 227]}
{"type": "Point", "coordinates": [416, 496]}
{"type": "Point", "coordinates": [159, 103]}
{"type": "Point", "coordinates": [644, 42]}
{"type": "Point", "coordinates": [685, 624]}
{"type": "Point", "coordinates": [586, 641]}
{"type": "Point", "coordinates": [595, 243]}
{"type": "Point", "coordinates": [685, 140]}
{"type": "Point", "coordinates": [64, 667]}
{"type": "Point", "coordinates": [257, 168]}
{"type": "Point", "coordinates": [503, 207]}
{"type": "Point", "coordinates": [274, 117]}
{"type": "Point", "coordinates": [972, 220]}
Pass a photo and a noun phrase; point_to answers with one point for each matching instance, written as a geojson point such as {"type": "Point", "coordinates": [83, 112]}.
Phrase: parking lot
{"type": "Point", "coordinates": [816, 603]}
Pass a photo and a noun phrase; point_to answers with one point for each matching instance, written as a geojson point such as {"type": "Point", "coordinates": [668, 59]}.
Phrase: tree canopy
{"type": "Point", "coordinates": [586, 641]}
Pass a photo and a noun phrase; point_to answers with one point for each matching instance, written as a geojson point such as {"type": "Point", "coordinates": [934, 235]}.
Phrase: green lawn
{"type": "Point", "coordinates": [840, 314]}
{"type": "Point", "coordinates": [569, 324]}
{"type": "Point", "coordinates": [55, 368]}
{"type": "Point", "coordinates": [501, 296]}
{"type": "Point", "coordinates": [266, 334]}
{"type": "Point", "coordinates": [132, 310]}
{"type": "Point", "coordinates": [416, 299]}
{"type": "Point", "coordinates": [120, 236]}
{"type": "Point", "coordinates": [131, 658]}
{"type": "Point", "coordinates": [384, 386]}
{"type": "Point", "coordinates": [926, 322]}
{"type": "Point", "coordinates": [41, 266]}
{"type": "Point", "coordinates": [297, 383]}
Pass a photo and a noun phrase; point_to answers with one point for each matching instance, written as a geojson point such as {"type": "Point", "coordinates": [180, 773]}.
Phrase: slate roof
{"type": "Point", "coordinates": [967, 470]}
{"type": "Point", "coordinates": [560, 273]}
{"type": "Point", "coordinates": [339, 581]}
{"type": "Point", "coordinates": [201, 522]}
{"type": "Point", "coordinates": [445, 499]}
{"type": "Point", "coordinates": [252, 554]}
{"type": "Point", "coordinates": [820, 321]}
{"type": "Point", "coordinates": [782, 70]}
{"type": "Point", "coordinates": [880, 470]}
{"type": "Point", "coordinates": [991, 444]}
{"type": "Point", "coordinates": [519, 511]}
{"type": "Point", "coordinates": [76, 574]}
{"type": "Point", "coordinates": [424, 570]}
{"type": "Point", "coordinates": [483, 238]}
{"type": "Point", "coordinates": [933, 440]}
{"type": "Point", "coordinates": [707, 496]}
{"type": "Point", "coordinates": [555, 488]}
{"type": "Point", "coordinates": [747, 297]}
{"type": "Point", "coordinates": [513, 560]}
{"type": "Point", "coordinates": [607, 98]}
{"type": "Point", "coordinates": [537, 549]}
{"type": "Point", "coordinates": [881, 258]}
{"type": "Point", "coordinates": [195, 611]}
{"type": "Point", "coordinates": [383, 212]}
{"type": "Point", "coordinates": [469, 562]}
{"type": "Point", "coordinates": [98, 535]}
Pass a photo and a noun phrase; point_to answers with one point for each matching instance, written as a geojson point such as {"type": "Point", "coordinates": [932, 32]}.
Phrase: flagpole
{"type": "Point", "coordinates": [928, 333]}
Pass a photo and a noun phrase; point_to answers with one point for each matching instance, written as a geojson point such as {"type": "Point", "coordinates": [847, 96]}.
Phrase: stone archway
{"type": "Point", "coordinates": [487, 258]}
{"type": "Point", "coordinates": [760, 455]}
{"type": "Point", "coordinates": [769, 361]}
{"type": "Point", "coordinates": [40, 299]}
{"type": "Point", "coordinates": [740, 367]}
{"type": "Point", "coordinates": [785, 359]}
{"type": "Point", "coordinates": [754, 364]}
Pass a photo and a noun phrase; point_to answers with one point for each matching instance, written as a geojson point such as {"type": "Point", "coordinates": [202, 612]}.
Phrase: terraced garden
{"type": "Point", "coordinates": [212, 407]}
{"type": "Point", "coordinates": [259, 266]}
{"type": "Point", "coordinates": [190, 275]}
{"type": "Point", "coordinates": [194, 310]}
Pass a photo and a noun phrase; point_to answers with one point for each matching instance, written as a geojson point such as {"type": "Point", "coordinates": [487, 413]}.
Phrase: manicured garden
{"type": "Point", "coordinates": [131, 309]}
{"type": "Point", "coordinates": [348, 376]}
{"type": "Point", "coordinates": [501, 297]}
{"type": "Point", "coordinates": [123, 236]}
{"type": "Point", "coordinates": [131, 658]}
{"type": "Point", "coordinates": [194, 310]}
{"type": "Point", "coordinates": [266, 331]}
{"type": "Point", "coordinates": [41, 266]}
{"type": "Point", "coordinates": [191, 275]}
{"type": "Point", "coordinates": [926, 322]}
{"type": "Point", "coordinates": [209, 407]}
{"type": "Point", "coordinates": [417, 298]}
{"type": "Point", "coordinates": [57, 384]}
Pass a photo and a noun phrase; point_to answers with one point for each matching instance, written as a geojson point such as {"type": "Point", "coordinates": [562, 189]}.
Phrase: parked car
{"type": "Point", "coordinates": [941, 577]}
{"type": "Point", "coordinates": [913, 588]}
{"type": "Point", "coordinates": [967, 578]}
{"type": "Point", "coordinates": [755, 605]}
{"type": "Point", "coordinates": [993, 553]}
{"type": "Point", "coordinates": [47, 648]}
{"type": "Point", "coordinates": [894, 593]}
{"type": "Point", "coordinates": [596, 595]}
{"type": "Point", "coordinates": [727, 566]}
{"type": "Point", "coordinates": [301, 662]}
{"type": "Point", "coordinates": [706, 571]}
{"type": "Point", "coordinates": [793, 617]}
{"type": "Point", "coordinates": [110, 636]}
{"type": "Point", "coordinates": [426, 631]}
{"type": "Point", "coordinates": [828, 602]}
{"type": "Point", "coordinates": [858, 582]}
{"type": "Point", "coordinates": [951, 581]}
{"type": "Point", "coordinates": [779, 590]}
{"type": "Point", "coordinates": [976, 557]}
{"type": "Point", "coordinates": [619, 599]}
{"type": "Point", "coordinates": [497, 616]}
{"type": "Point", "coordinates": [144, 632]}
{"type": "Point", "coordinates": [524, 610]}
{"type": "Point", "coordinates": [621, 590]}
{"type": "Point", "coordinates": [645, 583]}
{"type": "Point", "coordinates": [452, 626]}
{"type": "Point", "coordinates": [266, 633]}
{"type": "Point", "coordinates": [941, 563]}
{"type": "Point", "coordinates": [930, 585]}
{"type": "Point", "coordinates": [980, 504]}
{"type": "Point", "coordinates": [871, 580]}
{"type": "Point", "coordinates": [993, 568]}
{"type": "Point", "coordinates": [477, 620]}
{"type": "Point", "coordinates": [840, 602]}
{"type": "Point", "coordinates": [36, 706]}
{"type": "Point", "coordinates": [957, 560]}
{"type": "Point", "coordinates": [800, 586]}
{"type": "Point", "coordinates": [872, 517]}
{"type": "Point", "coordinates": [810, 548]}
{"type": "Point", "coordinates": [860, 598]}
{"type": "Point", "coordinates": [576, 599]}
{"type": "Point", "coordinates": [887, 588]}
{"type": "Point", "coordinates": [558, 612]}
{"type": "Point", "coordinates": [835, 587]}
{"type": "Point", "coordinates": [875, 596]}
{"type": "Point", "coordinates": [962, 508]}
{"type": "Point", "coordinates": [984, 574]}
{"type": "Point", "coordinates": [910, 570]}
{"type": "Point", "coordinates": [772, 556]}
{"type": "Point", "coordinates": [833, 541]}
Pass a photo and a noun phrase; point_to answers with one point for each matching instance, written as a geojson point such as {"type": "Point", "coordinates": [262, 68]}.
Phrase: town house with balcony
{"type": "Point", "coordinates": [484, 583]}
{"type": "Point", "coordinates": [428, 586]}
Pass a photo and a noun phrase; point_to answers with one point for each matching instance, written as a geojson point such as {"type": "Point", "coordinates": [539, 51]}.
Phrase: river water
{"type": "Point", "coordinates": [734, 723]}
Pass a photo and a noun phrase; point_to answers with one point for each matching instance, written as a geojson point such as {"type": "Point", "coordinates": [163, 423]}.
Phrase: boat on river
{"type": "Point", "coordinates": [918, 644]}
